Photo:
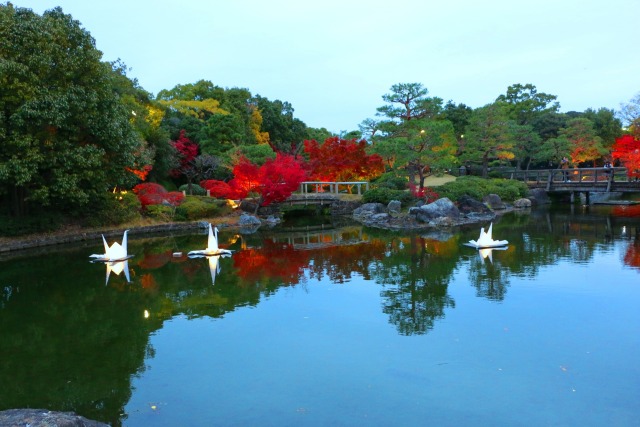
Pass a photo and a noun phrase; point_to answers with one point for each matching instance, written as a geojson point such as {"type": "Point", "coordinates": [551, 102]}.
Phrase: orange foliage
{"type": "Point", "coordinates": [141, 173]}
{"type": "Point", "coordinates": [340, 159]}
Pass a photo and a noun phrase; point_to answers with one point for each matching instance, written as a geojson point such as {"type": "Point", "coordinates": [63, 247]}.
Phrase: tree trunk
{"type": "Point", "coordinates": [485, 166]}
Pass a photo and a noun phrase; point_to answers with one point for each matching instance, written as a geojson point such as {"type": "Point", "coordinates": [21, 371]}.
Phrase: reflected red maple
{"type": "Point", "coordinates": [286, 262]}
{"type": "Point", "coordinates": [155, 260]}
{"type": "Point", "coordinates": [630, 211]}
{"type": "Point", "coordinates": [632, 256]}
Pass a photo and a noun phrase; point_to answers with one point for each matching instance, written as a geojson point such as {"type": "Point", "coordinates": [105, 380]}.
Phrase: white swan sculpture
{"type": "Point", "coordinates": [117, 251]}
{"type": "Point", "coordinates": [115, 257]}
{"type": "Point", "coordinates": [212, 246]}
{"type": "Point", "coordinates": [486, 241]}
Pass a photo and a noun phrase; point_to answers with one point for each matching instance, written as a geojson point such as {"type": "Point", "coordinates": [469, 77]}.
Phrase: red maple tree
{"type": "Point", "coordinates": [274, 181]}
{"type": "Point", "coordinates": [279, 178]}
{"type": "Point", "coordinates": [627, 150]}
{"type": "Point", "coordinates": [187, 151]}
{"type": "Point", "coordinates": [340, 159]}
{"type": "Point", "coordinates": [150, 193]}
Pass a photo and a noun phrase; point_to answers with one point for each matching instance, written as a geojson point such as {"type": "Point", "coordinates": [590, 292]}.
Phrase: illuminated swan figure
{"type": "Point", "coordinates": [117, 251]}
{"type": "Point", "coordinates": [212, 246]}
{"type": "Point", "coordinates": [115, 257]}
{"type": "Point", "coordinates": [486, 241]}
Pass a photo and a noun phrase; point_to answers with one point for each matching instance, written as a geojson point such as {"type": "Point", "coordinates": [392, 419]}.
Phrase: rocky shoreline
{"type": "Point", "coordinates": [440, 214]}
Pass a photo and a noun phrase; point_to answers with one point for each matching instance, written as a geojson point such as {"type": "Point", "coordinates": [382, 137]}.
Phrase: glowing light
{"type": "Point", "coordinates": [232, 203]}
{"type": "Point", "coordinates": [146, 314]}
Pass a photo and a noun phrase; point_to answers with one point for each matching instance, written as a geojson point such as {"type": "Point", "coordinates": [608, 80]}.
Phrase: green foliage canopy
{"type": "Point", "coordinates": [67, 135]}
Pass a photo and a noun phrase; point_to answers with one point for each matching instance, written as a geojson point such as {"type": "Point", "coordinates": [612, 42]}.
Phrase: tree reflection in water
{"type": "Point", "coordinates": [71, 343]}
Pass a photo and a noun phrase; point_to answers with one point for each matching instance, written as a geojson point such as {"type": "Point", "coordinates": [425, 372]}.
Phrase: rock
{"type": "Point", "coordinates": [468, 205]}
{"type": "Point", "coordinates": [45, 418]}
{"type": "Point", "coordinates": [539, 196]}
{"type": "Point", "coordinates": [493, 201]}
{"type": "Point", "coordinates": [272, 220]}
{"type": "Point", "coordinates": [440, 208]}
{"type": "Point", "coordinates": [367, 210]}
{"type": "Point", "coordinates": [394, 207]}
{"type": "Point", "coordinates": [248, 205]}
{"type": "Point", "coordinates": [522, 203]}
{"type": "Point", "coordinates": [247, 220]}
{"type": "Point", "coordinates": [381, 217]}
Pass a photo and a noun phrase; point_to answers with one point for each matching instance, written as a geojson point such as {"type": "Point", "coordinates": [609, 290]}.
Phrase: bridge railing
{"type": "Point", "coordinates": [545, 176]}
{"type": "Point", "coordinates": [308, 187]}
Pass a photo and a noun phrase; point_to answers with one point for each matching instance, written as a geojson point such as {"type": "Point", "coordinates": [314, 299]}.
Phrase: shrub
{"type": "Point", "coordinates": [161, 212]}
{"type": "Point", "coordinates": [38, 223]}
{"type": "Point", "coordinates": [385, 195]}
{"type": "Point", "coordinates": [217, 188]}
{"type": "Point", "coordinates": [115, 209]}
{"type": "Point", "coordinates": [150, 193]}
{"type": "Point", "coordinates": [476, 187]}
{"type": "Point", "coordinates": [392, 181]}
{"type": "Point", "coordinates": [198, 207]}
{"type": "Point", "coordinates": [196, 190]}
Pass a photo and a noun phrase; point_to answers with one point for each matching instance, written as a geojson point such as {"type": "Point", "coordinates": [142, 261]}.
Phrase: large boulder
{"type": "Point", "coordinates": [440, 208]}
{"type": "Point", "coordinates": [394, 207]}
{"type": "Point", "coordinates": [367, 210]}
{"type": "Point", "coordinates": [43, 417]}
{"type": "Point", "coordinates": [522, 204]}
{"type": "Point", "coordinates": [539, 196]}
{"type": "Point", "coordinates": [248, 223]}
{"type": "Point", "coordinates": [468, 205]}
{"type": "Point", "coordinates": [493, 201]}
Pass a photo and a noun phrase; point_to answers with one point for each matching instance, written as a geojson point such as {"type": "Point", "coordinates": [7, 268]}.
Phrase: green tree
{"type": "Point", "coordinates": [221, 133]}
{"type": "Point", "coordinates": [488, 137]}
{"type": "Point", "coordinates": [526, 144]}
{"type": "Point", "coordinates": [286, 133]}
{"type": "Point", "coordinates": [413, 135]}
{"type": "Point", "coordinates": [523, 103]}
{"type": "Point", "coordinates": [607, 126]}
{"type": "Point", "coordinates": [409, 101]}
{"type": "Point", "coordinates": [66, 133]}
{"type": "Point", "coordinates": [586, 145]}
{"type": "Point", "coordinates": [459, 116]}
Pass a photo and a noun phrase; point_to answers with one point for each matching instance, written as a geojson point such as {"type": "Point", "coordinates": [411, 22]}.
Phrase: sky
{"type": "Point", "coordinates": [333, 60]}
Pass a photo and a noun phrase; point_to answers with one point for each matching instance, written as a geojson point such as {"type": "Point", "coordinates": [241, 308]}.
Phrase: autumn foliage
{"type": "Point", "coordinates": [187, 151]}
{"type": "Point", "coordinates": [426, 193]}
{"type": "Point", "coordinates": [150, 193]}
{"type": "Point", "coordinates": [627, 150]}
{"type": "Point", "coordinates": [142, 172]}
{"type": "Point", "coordinates": [340, 159]}
{"type": "Point", "coordinates": [274, 181]}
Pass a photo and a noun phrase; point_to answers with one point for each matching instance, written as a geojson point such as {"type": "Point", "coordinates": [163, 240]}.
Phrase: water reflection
{"type": "Point", "coordinates": [56, 323]}
{"type": "Point", "coordinates": [117, 268]}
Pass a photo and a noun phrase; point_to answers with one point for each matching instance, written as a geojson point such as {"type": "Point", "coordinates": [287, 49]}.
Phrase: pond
{"type": "Point", "coordinates": [336, 325]}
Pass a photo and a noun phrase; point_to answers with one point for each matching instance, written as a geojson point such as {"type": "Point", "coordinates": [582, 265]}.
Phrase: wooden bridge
{"type": "Point", "coordinates": [577, 180]}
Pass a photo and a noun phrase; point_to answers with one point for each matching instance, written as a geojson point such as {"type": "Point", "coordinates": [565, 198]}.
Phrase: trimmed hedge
{"type": "Point", "coordinates": [385, 195]}
{"type": "Point", "coordinates": [476, 187]}
{"type": "Point", "coordinates": [195, 188]}
{"type": "Point", "coordinates": [198, 207]}
{"type": "Point", "coordinates": [391, 181]}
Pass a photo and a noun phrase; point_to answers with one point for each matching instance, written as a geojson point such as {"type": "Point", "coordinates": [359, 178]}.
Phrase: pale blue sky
{"type": "Point", "coordinates": [334, 59]}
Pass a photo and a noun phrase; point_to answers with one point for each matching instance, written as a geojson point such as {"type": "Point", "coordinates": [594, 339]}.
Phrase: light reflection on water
{"type": "Point", "coordinates": [380, 329]}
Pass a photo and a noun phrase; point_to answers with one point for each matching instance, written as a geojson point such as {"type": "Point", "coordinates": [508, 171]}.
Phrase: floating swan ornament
{"type": "Point", "coordinates": [117, 251]}
{"type": "Point", "coordinates": [115, 257]}
{"type": "Point", "coordinates": [486, 241]}
{"type": "Point", "coordinates": [212, 246]}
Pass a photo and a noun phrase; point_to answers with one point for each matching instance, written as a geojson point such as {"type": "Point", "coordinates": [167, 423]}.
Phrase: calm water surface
{"type": "Point", "coordinates": [344, 326]}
